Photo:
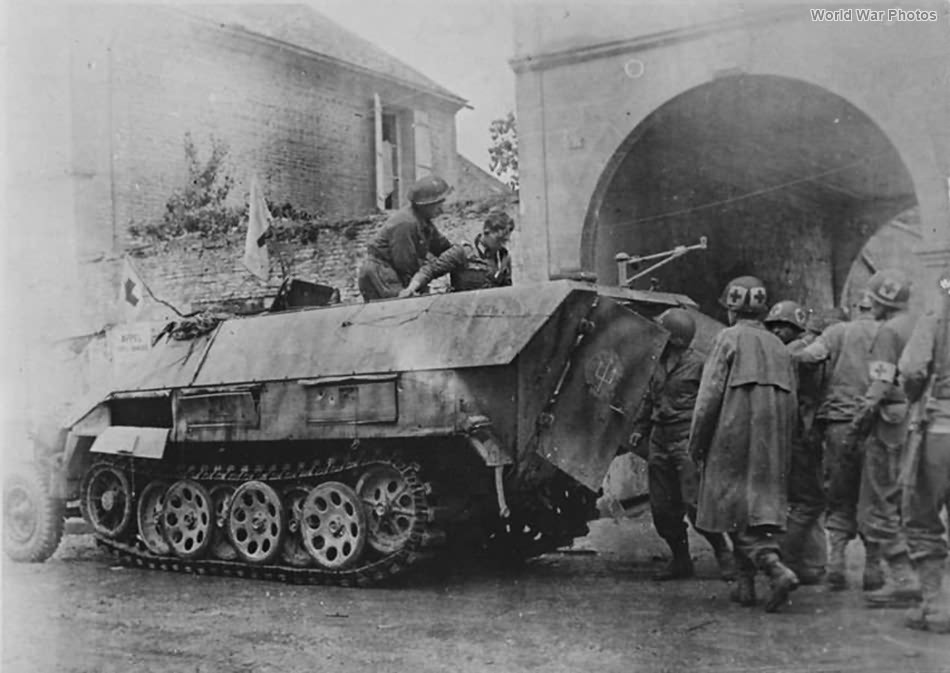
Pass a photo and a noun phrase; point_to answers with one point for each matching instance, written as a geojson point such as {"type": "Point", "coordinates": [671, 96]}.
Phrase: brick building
{"type": "Point", "coordinates": [105, 95]}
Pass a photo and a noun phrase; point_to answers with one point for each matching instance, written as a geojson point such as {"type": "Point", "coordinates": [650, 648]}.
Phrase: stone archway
{"type": "Point", "coordinates": [786, 179]}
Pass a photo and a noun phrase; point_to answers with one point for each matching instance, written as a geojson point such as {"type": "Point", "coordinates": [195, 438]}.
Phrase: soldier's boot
{"type": "Point", "coordinates": [724, 557]}
{"type": "Point", "coordinates": [873, 578]}
{"type": "Point", "coordinates": [901, 586]}
{"type": "Point", "coordinates": [793, 544]}
{"type": "Point", "coordinates": [743, 592]}
{"type": "Point", "coordinates": [680, 566]}
{"type": "Point", "coordinates": [837, 543]}
{"type": "Point", "coordinates": [933, 614]}
{"type": "Point", "coordinates": [781, 579]}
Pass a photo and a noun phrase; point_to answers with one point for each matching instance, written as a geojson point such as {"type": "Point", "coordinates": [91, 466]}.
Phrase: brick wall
{"type": "Point", "coordinates": [193, 273]}
{"type": "Point", "coordinates": [142, 77]}
{"type": "Point", "coordinates": [304, 125]}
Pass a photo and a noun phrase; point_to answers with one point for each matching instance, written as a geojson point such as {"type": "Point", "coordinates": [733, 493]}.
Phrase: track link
{"type": "Point", "coordinates": [419, 547]}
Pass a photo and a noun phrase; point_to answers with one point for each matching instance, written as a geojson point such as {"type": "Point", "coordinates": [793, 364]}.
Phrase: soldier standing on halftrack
{"type": "Point", "coordinates": [401, 247]}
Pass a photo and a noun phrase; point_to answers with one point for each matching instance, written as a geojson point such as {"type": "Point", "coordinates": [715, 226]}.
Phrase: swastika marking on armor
{"type": "Point", "coordinates": [603, 372]}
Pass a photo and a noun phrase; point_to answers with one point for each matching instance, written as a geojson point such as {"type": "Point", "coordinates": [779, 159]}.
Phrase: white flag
{"type": "Point", "coordinates": [133, 294]}
{"type": "Point", "coordinates": [258, 223]}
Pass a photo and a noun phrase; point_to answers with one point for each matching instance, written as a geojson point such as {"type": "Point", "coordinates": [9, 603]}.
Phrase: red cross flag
{"type": "Point", "coordinates": [133, 293]}
{"type": "Point", "coordinates": [259, 221]}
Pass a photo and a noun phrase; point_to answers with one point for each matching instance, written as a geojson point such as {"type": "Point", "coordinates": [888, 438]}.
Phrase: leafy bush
{"type": "Point", "coordinates": [200, 206]}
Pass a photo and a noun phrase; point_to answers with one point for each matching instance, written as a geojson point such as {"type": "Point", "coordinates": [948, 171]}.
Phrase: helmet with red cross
{"type": "Point", "coordinates": [788, 311]}
{"type": "Point", "coordinates": [745, 294]}
{"type": "Point", "coordinates": [680, 324]}
{"type": "Point", "coordinates": [889, 287]}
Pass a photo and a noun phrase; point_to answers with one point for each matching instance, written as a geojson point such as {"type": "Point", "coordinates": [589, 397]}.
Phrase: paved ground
{"type": "Point", "coordinates": [592, 610]}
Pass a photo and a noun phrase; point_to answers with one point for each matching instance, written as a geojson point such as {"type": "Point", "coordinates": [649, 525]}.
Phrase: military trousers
{"type": "Point", "coordinates": [922, 505]}
{"type": "Point", "coordinates": [751, 544]}
{"type": "Point", "coordinates": [842, 462]}
{"type": "Point", "coordinates": [879, 500]}
{"type": "Point", "coordinates": [378, 280]}
{"type": "Point", "coordinates": [674, 486]}
{"type": "Point", "coordinates": [673, 481]}
{"type": "Point", "coordinates": [805, 546]}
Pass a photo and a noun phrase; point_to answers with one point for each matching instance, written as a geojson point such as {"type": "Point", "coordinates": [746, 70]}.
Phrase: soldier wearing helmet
{"type": "Point", "coordinates": [472, 266]}
{"type": "Point", "coordinates": [842, 350]}
{"type": "Point", "coordinates": [742, 433]}
{"type": "Point", "coordinates": [786, 320]}
{"type": "Point", "coordinates": [665, 419]}
{"type": "Point", "coordinates": [883, 420]}
{"type": "Point", "coordinates": [925, 376]}
{"type": "Point", "coordinates": [400, 248]}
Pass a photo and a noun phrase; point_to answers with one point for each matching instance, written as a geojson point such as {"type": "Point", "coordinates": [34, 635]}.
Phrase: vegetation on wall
{"type": "Point", "coordinates": [503, 151]}
{"type": "Point", "coordinates": [200, 205]}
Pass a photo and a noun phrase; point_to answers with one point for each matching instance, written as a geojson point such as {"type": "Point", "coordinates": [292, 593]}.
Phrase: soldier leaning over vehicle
{"type": "Point", "coordinates": [742, 434]}
{"type": "Point", "coordinates": [472, 266]}
{"type": "Point", "coordinates": [844, 349]}
{"type": "Point", "coordinates": [665, 418]}
{"type": "Point", "coordinates": [925, 373]}
{"type": "Point", "coordinates": [787, 320]}
{"type": "Point", "coordinates": [883, 418]}
{"type": "Point", "coordinates": [401, 247]}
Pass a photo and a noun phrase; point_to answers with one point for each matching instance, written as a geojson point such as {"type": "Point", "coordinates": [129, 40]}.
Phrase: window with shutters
{"type": "Point", "coordinates": [422, 138]}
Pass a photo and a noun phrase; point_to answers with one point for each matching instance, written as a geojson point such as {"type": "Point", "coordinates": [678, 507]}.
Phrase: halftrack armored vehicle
{"type": "Point", "coordinates": [348, 444]}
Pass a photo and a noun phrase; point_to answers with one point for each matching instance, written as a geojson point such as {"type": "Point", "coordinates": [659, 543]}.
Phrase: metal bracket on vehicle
{"type": "Point", "coordinates": [478, 431]}
{"type": "Point", "coordinates": [625, 261]}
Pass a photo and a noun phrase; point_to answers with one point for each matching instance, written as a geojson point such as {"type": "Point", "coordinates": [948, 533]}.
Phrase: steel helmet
{"type": "Point", "coordinates": [680, 324]}
{"type": "Point", "coordinates": [819, 321]}
{"type": "Point", "coordinates": [745, 294]}
{"type": "Point", "coordinates": [428, 190]}
{"type": "Point", "coordinates": [889, 287]}
{"type": "Point", "coordinates": [788, 311]}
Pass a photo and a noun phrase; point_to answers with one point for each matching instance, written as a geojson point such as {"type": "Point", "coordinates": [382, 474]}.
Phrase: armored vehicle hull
{"type": "Point", "coordinates": [348, 444]}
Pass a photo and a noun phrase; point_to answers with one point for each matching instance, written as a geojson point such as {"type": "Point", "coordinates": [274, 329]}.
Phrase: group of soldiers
{"type": "Point", "coordinates": [409, 252]}
{"type": "Point", "coordinates": [796, 422]}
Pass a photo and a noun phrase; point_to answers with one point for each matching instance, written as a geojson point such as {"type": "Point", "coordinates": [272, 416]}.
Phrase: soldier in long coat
{"type": "Point", "coordinates": [742, 432]}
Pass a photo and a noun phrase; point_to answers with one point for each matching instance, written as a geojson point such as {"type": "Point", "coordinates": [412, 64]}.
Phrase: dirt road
{"type": "Point", "coordinates": [595, 609]}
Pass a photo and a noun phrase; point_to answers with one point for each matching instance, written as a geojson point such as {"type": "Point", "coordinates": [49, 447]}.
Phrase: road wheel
{"type": "Point", "coordinates": [256, 522]}
{"type": "Point", "coordinates": [32, 521]}
{"type": "Point", "coordinates": [391, 509]}
{"type": "Point", "coordinates": [333, 525]}
{"type": "Point", "coordinates": [187, 519]}
{"type": "Point", "coordinates": [149, 517]}
{"type": "Point", "coordinates": [292, 550]}
{"type": "Point", "coordinates": [105, 499]}
{"type": "Point", "coordinates": [221, 547]}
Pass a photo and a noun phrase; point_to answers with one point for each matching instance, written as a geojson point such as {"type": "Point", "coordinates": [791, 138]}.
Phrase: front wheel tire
{"type": "Point", "coordinates": [32, 520]}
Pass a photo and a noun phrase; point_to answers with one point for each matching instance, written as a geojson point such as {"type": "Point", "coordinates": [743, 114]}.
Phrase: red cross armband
{"type": "Point", "coordinates": [883, 371]}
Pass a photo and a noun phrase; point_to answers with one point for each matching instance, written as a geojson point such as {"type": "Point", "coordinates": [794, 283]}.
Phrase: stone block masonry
{"type": "Point", "coordinates": [194, 273]}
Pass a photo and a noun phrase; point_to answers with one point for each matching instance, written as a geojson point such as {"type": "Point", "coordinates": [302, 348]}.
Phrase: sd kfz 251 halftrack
{"type": "Point", "coordinates": [347, 444]}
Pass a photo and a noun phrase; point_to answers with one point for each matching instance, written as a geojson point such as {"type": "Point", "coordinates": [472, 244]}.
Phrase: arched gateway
{"type": "Point", "coordinates": [787, 142]}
